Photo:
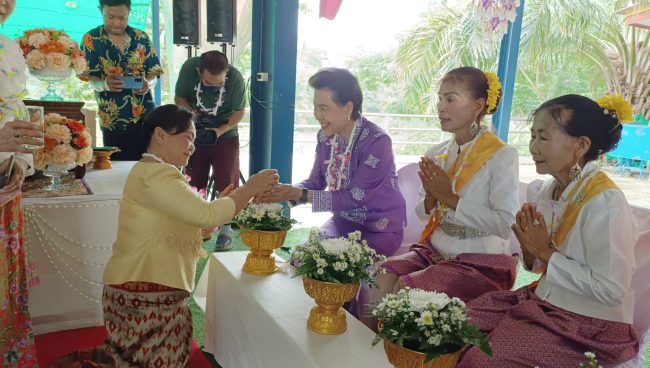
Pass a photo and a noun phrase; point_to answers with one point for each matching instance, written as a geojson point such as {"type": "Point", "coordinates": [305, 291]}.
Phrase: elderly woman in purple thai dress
{"type": "Point", "coordinates": [577, 229]}
{"type": "Point", "coordinates": [469, 196]}
{"type": "Point", "coordinates": [354, 170]}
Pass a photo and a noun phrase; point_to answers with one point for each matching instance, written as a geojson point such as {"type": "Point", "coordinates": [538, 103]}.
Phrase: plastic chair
{"type": "Point", "coordinates": [641, 286]}
{"type": "Point", "coordinates": [410, 184]}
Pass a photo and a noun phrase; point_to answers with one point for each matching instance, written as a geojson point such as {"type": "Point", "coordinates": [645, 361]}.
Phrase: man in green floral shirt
{"type": "Point", "coordinates": [114, 52]}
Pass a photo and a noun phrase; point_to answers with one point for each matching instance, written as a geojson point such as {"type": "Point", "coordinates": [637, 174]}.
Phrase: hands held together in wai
{"type": "Point", "coordinates": [529, 227]}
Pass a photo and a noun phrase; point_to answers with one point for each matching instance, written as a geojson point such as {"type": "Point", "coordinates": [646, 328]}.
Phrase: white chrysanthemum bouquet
{"type": "Point", "coordinates": [428, 322]}
{"type": "Point", "coordinates": [264, 216]}
{"type": "Point", "coordinates": [339, 260]}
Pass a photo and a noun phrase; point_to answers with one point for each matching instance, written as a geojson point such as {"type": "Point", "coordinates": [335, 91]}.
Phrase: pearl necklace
{"type": "Point", "coordinates": [154, 156]}
{"type": "Point", "coordinates": [199, 103]}
{"type": "Point", "coordinates": [333, 180]}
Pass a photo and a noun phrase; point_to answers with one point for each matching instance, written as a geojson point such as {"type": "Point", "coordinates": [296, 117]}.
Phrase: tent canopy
{"type": "Point", "coordinates": [75, 17]}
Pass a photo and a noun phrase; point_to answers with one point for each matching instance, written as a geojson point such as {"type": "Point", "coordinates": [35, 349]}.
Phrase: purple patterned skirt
{"type": "Point", "coordinates": [526, 331]}
{"type": "Point", "coordinates": [468, 276]}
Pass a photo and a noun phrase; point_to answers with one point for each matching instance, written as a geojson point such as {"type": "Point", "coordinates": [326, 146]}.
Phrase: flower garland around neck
{"type": "Point", "coordinates": [333, 180]}
{"type": "Point", "coordinates": [199, 102]}
{"type": "Point", "coordinates": [458, 167]}
{"type": "Point", "coordinates": [566, 199]}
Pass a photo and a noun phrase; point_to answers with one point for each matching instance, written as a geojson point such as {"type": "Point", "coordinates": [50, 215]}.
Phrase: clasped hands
{"type": "Point", "coordinates": [532, 233]}
{"type": "Point", "coordinates": [436, 184]}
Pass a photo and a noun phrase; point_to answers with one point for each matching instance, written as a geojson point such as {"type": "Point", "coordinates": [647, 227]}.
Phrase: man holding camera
{"type": "Point", "coordinates": [216, 91]}
{"type": "Point", "coordinates": [122, 69]}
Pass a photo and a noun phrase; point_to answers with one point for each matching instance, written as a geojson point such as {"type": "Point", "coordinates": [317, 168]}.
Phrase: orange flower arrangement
{"type": "Point", "coordinates": [52, 49]}
{"type": "Point", "coordinates": [67, 142]}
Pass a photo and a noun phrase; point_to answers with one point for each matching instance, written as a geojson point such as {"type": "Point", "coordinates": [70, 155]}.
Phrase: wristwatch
{"type": "Point", "coordinates": [301, 200]}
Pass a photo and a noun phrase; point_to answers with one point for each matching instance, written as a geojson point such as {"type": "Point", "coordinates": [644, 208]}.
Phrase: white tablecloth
{"type": "Point", "coordinates": [70, 240]}
{"type": "Point", "coordinates": [261, 321]}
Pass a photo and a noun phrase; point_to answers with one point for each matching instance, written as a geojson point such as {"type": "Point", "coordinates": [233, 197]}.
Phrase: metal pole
{"type": "Point", "coordinates": [507, 72]}
{"type": "Point", "coordinates": [155, 24]}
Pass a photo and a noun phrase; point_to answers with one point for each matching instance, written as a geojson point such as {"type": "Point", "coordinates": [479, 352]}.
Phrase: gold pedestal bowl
{"type": "Point", "coordinates": [102, 157]}
{"type": "Point", "coordinates": [327, 317]}
{"type": "Point", "coordinates": [260, 261]}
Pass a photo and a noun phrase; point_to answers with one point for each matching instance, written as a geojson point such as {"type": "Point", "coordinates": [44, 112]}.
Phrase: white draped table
{"type": "Point", "coordinates": [261, 321]}
{"type": "Point", "coordinates": [70, 240]}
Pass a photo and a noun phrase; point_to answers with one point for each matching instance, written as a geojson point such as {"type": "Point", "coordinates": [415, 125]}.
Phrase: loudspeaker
{"type": "Point", "coordinates": [186, 22]}
{"type": "Point", "coordinates": [222, 21]}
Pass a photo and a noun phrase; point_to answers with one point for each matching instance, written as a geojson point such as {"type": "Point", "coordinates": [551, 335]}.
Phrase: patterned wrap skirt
{"type": "Point", "coordinates": [525, 331]}
{"type": "Point", "coordinates": [466, 277]}
{"type": "Point", "coordinates": [17, 347]}
{"type": "Point", "coordinates": [148, 325]}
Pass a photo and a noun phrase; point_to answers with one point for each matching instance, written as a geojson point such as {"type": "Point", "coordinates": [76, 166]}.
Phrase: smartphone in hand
{"type": "Point", "coordinates": [132, 82]}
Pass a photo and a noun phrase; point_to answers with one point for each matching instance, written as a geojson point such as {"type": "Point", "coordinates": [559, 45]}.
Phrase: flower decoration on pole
{"type": "Point", "coordinates": [494, 16]}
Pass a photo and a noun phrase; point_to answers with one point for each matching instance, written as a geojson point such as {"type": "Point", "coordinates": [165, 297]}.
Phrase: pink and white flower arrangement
{"type": "Point", "coordinates": [67, 142]}
{"type": "Point", "coordinates": [45, 48]}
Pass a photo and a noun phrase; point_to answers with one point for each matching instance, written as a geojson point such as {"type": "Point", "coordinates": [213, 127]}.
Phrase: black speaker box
{"type": "Point", "coordinates": [222, 21]}
{"type": "Point", "coordinates": [186, 22]}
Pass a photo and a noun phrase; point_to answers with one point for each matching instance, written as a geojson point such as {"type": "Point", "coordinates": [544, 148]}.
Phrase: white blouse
{"type": "Point", "coordinates": [591, 275]}
{"type": "Point", "coordinates": [488, 202]}
{"type": "Point", "coordinates": [13, 78]}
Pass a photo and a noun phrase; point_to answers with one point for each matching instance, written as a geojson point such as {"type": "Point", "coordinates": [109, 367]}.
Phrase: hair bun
{"type": "Point", "coordinates": [617, 106]}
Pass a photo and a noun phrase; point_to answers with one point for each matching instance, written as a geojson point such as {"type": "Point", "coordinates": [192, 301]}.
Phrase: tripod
{"type": "Point", "coordinates": [212, 189]}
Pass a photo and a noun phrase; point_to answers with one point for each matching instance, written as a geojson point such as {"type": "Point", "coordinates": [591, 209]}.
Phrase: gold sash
{"type": "Point", "coordinates": [599, 183]}
{"type": "Point", "coordinates": [484, 148]}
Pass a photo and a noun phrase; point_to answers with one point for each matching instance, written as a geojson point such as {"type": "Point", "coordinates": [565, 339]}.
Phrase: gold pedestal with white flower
{"type": "Point", "coordinates": [327, 317]}
{"type": "Point", "coordinates": [260, 260]}
{"type": "Point", "coordinates": [405, 358]}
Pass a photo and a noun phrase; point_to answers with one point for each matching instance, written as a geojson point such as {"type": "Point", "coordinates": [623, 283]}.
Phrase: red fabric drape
{"type": "Point", "coordinates": [329, 8]}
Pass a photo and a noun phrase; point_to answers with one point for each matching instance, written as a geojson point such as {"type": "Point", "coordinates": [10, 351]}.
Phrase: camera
{"type": "Point", "coordinates": [204, 124]}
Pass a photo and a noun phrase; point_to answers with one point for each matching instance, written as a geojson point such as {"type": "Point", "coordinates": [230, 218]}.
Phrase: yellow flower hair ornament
{"type": "Point", "coordinates": [617, 106]}
{"type": "Point", "coordinates": [493, 93]}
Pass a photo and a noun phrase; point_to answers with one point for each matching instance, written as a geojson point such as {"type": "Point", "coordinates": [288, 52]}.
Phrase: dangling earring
{"type": "Point", "coordinates": [574, 173]}
{"type": "Point", "coordinates": [473, 129]}
{"type": "Point", "coordinates": [349, 116]}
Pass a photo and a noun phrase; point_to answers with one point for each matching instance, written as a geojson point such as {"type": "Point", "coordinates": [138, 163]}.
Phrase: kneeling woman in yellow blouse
{"type": "Point", "coordinates": [149, 278]}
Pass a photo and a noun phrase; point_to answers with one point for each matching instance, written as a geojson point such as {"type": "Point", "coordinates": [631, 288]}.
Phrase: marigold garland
{"type": "Point", "coordinates": [617, 106]}
{"type": "Point", "coordinates": [493, 93]}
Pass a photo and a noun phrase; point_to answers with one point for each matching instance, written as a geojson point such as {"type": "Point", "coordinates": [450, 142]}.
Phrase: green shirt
{"type": "Point", "coordinates": [234, 97]}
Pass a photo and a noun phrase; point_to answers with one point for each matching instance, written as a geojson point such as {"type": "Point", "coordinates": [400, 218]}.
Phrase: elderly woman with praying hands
{"type": "Point", "coordinates": [353, 175]}
{"type": "Point", "coordinates": [469, 198]}
{"type": "Point", "coordinates": [578, 231]}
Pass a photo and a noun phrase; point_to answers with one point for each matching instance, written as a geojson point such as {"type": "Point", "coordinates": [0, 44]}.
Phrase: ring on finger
{"type": "Point", "coordinates": [536, 222]}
